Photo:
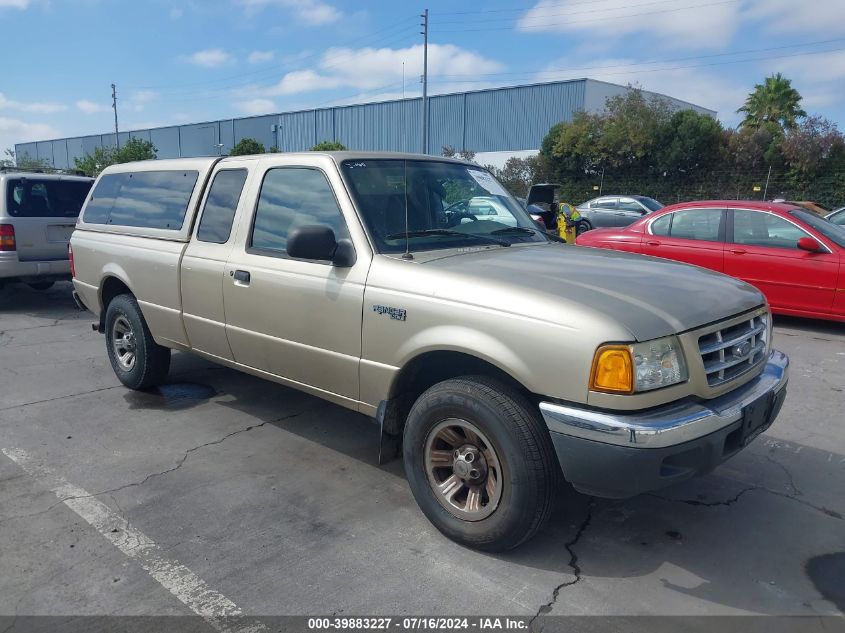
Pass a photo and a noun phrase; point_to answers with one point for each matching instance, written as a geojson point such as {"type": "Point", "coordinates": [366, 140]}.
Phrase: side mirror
{"type": "Point", "coordinates": [318, 242]}
{"type": "Point", "coordinates": [809, 244]}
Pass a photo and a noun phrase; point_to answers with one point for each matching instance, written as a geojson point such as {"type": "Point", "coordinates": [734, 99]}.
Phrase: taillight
{"type": "Point", "coordinates": [7, 238]}
{"type": "Point", "coordinates": [70, 259]}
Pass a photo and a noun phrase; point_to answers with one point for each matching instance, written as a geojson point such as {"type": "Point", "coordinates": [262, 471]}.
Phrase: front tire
{"type": "Point", "coordinates": [480, 463]}
{"type": "Point", "coordinates": [138, 361]}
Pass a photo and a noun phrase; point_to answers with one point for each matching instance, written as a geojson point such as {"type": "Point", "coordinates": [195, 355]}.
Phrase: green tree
{"type": "Point", "coordinates": [689, 143]}
{"type": "Point", "coordinates": [134, 149]}
{"type": "Point", "coordinates": [775, 100]}
{"type": "Point", "coordinates": [24, 162]}
{"type": "Point", "coordinates": [519, 174]}
{"type": "Point", "coordinates": [329, 146]}
{"type": "Point", "coordinates": [247, 146]}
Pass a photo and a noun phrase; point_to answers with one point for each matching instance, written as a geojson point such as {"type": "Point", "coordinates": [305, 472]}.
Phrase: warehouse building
{"type": "Point", "coordinates": [494, 123]}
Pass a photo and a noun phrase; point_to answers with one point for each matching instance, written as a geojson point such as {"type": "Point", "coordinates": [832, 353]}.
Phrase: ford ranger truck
{"type": "Point", "coordinates": [417, 291]}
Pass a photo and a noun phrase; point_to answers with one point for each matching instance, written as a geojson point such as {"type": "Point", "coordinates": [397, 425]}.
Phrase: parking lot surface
{"type": "Point", "coordinates": [222, 491]}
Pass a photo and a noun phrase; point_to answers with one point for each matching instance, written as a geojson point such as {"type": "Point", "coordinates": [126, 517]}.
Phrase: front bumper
{"type": "Point", "coordinates": [624, 454]}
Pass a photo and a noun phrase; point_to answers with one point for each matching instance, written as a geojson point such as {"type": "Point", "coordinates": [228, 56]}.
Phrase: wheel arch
{"type": "Point", "coordinates": [428, 368]}
{"type": "Point", "coordinates": [111, 285]}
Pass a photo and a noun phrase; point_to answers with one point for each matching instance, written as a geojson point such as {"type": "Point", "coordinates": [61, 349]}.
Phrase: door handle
{"type": "Point", "coordinates": [653, 243]}
{"type": "Point", "coordinates": [738, 251]}
{"type": "Point", "coordinates": [241, 277]}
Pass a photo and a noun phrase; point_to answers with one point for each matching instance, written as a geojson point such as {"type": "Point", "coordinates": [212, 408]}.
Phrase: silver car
{"type": "Point", "coordinates": [837, 217]}
{"type": "Point", "coordinates": [38, 213]}
{"type": "Point", "coordinates": [617, 210]}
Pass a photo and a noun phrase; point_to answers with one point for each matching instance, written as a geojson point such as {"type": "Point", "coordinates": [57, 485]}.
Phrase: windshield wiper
{"type": "Point", "coordinates": [448, 232]}
{"type": "Point", "coordinates": [515, 229]}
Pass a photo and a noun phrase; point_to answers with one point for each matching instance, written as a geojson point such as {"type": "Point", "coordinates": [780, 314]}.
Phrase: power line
{"type": "Point", "coordinates": [724, 63]}
{"type": "Point", "coordinates": [548, 25]}
{"type": "Point", "coordinates": [652, 62]}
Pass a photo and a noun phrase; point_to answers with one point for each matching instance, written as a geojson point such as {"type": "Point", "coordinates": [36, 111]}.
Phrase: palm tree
{"type": "Point", "coordinates": [775, 100]}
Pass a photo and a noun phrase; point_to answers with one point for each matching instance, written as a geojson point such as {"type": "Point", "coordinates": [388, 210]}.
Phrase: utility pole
{"type": "Point", "coordinates": [114, 105]}
{"type": "Point", "coordinates": [424, 80]}
{"type": "Point", "coordinates": [766, 190]}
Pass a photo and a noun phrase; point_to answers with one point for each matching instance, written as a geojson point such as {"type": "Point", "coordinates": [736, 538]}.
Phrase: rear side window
{"type": "Point", "coordinates": [148, 199]}
{"type": "Point", "coordinates": [697, 224]}
{"type": "Point", "coordinates": [220, 206]}
{"type": "Point", "coordinates": [661, 225]}
{"type": "Point", "coordinates": [292, 197]}
{"type": "Point", "coordinates": [34, 198]}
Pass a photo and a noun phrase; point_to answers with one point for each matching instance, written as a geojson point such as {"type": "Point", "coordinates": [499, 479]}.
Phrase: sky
{"type": "Point", "coordinates": [183, 61]}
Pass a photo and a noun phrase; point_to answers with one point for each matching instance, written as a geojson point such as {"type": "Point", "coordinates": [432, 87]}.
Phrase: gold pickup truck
{"type": "Point", "coordinates": [418, 292]}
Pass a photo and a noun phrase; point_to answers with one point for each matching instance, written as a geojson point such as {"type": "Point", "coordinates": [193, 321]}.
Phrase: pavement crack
{"type": "Point", "coordinates": [708, 504]}
{"type": "Point", "coordinates": [787, 472]}
{"type": "Point", "coordinates": [147, 478]}
{"type": "Point", "coordinates": [70, 395]}
{"type": "Point", "coordinates": [573, 565]}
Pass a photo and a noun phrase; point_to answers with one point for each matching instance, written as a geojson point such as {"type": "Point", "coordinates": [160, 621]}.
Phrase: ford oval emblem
{"type": "Point", "coordinates": [741, 349]}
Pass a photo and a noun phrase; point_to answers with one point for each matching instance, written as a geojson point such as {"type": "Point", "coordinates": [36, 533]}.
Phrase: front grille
{"type": "Point", "coordinates": [732, 351]}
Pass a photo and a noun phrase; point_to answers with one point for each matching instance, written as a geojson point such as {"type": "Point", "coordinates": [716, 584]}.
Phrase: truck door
{"type": "Point", "coordinates": [205, 259]}
{"type": "Point", "coordinates": [298, 319]}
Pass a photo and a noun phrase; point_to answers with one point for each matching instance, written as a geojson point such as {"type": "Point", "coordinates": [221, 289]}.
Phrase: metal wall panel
{"type": "Point", "coordinates": [445, 122]}
{"type": "Point", "coordinates": [60, 158]}
{"type": "Point", "coordinates": [518, 118]}
{"type": "Point", "coordinates": [44, 151]}
{"type": "Point", "coordinates": [166, 141]}
{"type": "Point", "coordinates": [26, 150]}
{"type": "Point", "coordinates": [597, 93]}
{"type": "Point", "coordinates": [227, 135]}
{"type": "Point", "coordinates": [199, 140]}
{"type": "Point", "coordinates": [497, 120]}
{"type": "Point", "coordinates": [324, 129]}
{"type": "Point", "coordinates": [258, 127]}
{"type": "Point", "coordinates": [74, 150]}
{"type": "Point", "coordinates": [90, 143]}
{"type": "Point", "coordinates": [297, 131]}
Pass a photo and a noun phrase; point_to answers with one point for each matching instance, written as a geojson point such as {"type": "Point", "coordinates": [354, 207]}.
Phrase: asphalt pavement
{"type": "Point", "coordinates": [224, 492]}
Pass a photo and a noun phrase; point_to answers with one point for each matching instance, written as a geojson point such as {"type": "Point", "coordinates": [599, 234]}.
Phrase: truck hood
{"type": "Point", "coordinates": [650, 297]}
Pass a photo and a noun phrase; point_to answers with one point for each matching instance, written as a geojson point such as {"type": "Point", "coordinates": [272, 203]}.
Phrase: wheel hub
{"type": "Point", "coordinates": [470, 464]}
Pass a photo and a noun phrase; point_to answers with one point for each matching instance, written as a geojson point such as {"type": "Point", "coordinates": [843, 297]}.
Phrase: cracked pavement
{"type": "Point", "coordinates": [276, 500]}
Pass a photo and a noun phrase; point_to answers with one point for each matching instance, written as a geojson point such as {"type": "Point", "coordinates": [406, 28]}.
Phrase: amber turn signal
{"type": "Point", "coordinates": [613, 370]}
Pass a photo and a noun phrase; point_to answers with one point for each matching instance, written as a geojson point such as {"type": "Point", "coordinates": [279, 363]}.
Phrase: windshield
{"type": "Point", "coordinates": [650, 203]}
{"type": "Point", "coordinates": [831, 231]}
{"type": "Point", "coordinates": [448, 205]}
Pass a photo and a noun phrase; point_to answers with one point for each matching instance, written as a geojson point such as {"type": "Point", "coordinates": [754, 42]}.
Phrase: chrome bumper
{"type": "Point", "coordinates": [670, 425]}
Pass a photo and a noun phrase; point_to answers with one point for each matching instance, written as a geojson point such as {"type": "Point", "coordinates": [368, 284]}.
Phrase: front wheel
{"type": "Point", "coordinates": [480, 463]}
{"type": "Point", "coordinates": [138, 361]}
{"type": "Point", "coordinates": [582, 227]}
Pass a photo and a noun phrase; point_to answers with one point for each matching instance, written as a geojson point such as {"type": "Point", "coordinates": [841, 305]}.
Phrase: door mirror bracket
{"type": "Point", "coordinates": [318, 242]}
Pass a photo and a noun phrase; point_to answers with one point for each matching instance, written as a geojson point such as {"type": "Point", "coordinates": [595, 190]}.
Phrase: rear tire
{"type": "Point", "coordinates": [582, 227]}
{"type": "Point", "coordinates": [41, 285]}
{"type": "Point", "coordinates": [502, 493]}
{"type": "Point", "coordinates": [138, 361]}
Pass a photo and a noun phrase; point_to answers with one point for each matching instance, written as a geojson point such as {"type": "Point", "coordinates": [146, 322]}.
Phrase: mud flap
{"type": "Point", "coordinates": [390, 444]}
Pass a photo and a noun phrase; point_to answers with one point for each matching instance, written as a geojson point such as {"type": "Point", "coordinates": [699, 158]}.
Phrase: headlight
{"type": "Point", "coordinates": [639, 366]}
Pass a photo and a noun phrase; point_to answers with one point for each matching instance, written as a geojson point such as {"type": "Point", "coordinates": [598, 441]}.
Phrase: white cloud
{"type": "Point", "coordinates": [16, 131]}
{"type": "Point", "coordinates": [14, 4]}
{"type": "Point", "coordinates": [792, 16]}
{"type": "Point", "coordinates": [371, 68]}
{"type": "Point", "coordinates": [310, 12]}
{"type": "Point", "coordinates": [210, 58]}
{"type": "Point", "coordinates": [91, 107]}
{"type": "Point", "coordinates": [256, 106]}
{"type": "Point", "coordinates": [176, 13]}
{"type": "Point", "coordinates": [711, 26]}
{"type": "Point", "coordinates": [259, 57]}
{"type": "Point", "coordinates": [37, 107]}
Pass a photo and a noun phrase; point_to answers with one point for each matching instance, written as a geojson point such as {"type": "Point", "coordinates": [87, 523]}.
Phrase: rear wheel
{"type": "Point", "coordinates": [480, 463]}
{"type": "Point", "coordinates": [41, 285]}
{"type": "Point", "coordinates": [138, 361]}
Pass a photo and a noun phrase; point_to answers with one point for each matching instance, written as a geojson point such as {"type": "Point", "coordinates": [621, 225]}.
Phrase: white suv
{"type": "Point", "coordinates": [38, 213]}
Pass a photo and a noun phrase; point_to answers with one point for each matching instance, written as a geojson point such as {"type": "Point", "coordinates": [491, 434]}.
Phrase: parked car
{"type": "Point", "coordinates": [37, 214]}
{"type": "Point", "coordinates": [344, 275]}
{"type": "Point", "coordinates": [607, 211]}
{"type": "Point", "coordinates": [815, 207]}
{"type": "Point", "coordinates": [796, 258]}
{"type": "Point", "coordinates": [838, 216]}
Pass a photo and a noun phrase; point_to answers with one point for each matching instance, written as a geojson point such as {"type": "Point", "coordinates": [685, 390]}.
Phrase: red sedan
{"type": "Point", "coordinates": [794, 256]}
